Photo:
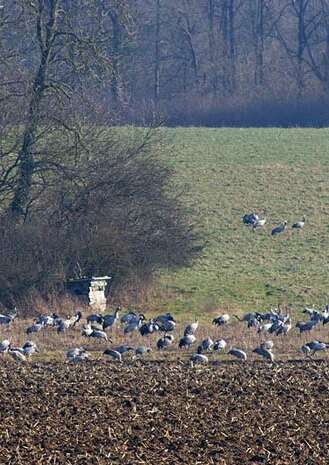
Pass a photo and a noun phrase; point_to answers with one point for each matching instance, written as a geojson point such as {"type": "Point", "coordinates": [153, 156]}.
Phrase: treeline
{"type": "Point", "coordinates": [204, 62]}
{"type": "Point", "coordinates": [214, 62]}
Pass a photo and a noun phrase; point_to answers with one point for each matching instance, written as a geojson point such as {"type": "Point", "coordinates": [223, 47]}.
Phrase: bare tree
{"type": "Point", "coordinates": [317, 45]}
{"type": "Point", "coordinates": [259, 41]}
{"type": "Point", "coordinates": [157, 57]}
{"type": "Point", "coordinates": [174, 53]}
{"type": "Point", "coordinates": [188, 29]}
{"type": "Point", "coordinates": [229, 45]}
{"type": "Point", "coordinates": [70, 51]}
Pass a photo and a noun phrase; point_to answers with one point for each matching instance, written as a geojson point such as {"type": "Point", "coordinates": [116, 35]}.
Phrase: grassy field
{"type": "Point", "coordinates": [229, 172]}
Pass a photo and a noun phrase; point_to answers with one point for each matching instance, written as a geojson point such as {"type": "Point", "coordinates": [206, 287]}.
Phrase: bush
{"type": "Point", "coordinates": [112, 214]}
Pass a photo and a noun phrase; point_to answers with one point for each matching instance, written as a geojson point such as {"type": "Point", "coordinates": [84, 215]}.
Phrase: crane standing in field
{"type": "Point", "coordinates": [221, 320]}
{"type": "Point", "coordinates": [238, 353]}
{"type": "Point", "coordinates": [279, 229]}
{"type": "Point", "coordinates": [250, 218]}
{"type": "Point", "coordinates": [279, 324]}
{"type": "Point", "coordinates": [7, 319]}
{"type": "Point", "coordinates": [265, 351]}
{"type": "Point", "coordinates": [191, 329]}
{"type": "Point", "coordinates": [299, 224]}
{"type": "Point", "coordinates": [259, 223]}
{"type": "Point", "coordinates": [199, 358]}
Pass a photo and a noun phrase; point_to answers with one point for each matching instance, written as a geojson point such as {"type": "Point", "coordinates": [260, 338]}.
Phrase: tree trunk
{"type": "Point", "coordinates": [22, 191]}
{"type": "Point", "coordinates": [157, 55]}
{"type": "Point", "coordinates": [115, 84]}
{"type": "Point", "coordinates": [211, 45]}
{"type": "Point", "coordinates": [259, 43]}
{"type": "Point", "coordinates": [300, 9]}
{"type": "Point", "coordinates": [228, 34]}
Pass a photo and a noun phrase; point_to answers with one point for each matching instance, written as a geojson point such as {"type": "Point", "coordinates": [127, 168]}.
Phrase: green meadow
{"type": "Point", "coordinates": [281, 174]}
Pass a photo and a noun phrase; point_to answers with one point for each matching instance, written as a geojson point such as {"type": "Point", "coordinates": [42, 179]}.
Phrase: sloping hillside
{"type": "Point", "coordinates": [229, 172]}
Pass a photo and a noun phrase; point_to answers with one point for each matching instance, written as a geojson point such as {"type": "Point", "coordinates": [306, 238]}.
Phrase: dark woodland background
{"type": "Point", "coordinates": [225, 62]}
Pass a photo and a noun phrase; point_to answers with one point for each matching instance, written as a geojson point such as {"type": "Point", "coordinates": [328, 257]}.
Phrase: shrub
{"type": "Point", "coordinates": [112, 214]}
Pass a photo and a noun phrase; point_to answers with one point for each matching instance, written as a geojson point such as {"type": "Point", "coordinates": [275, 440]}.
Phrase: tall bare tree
{"type": "Point", "coordinates": [259, 41]}
{"type": "Point", "coordinates": [70, 52]}
{"type": "Point", "coordinates": [157, 57]}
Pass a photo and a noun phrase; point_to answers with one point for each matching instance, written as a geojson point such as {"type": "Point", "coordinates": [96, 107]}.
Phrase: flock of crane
{"type": "Point", "coordinates": [253, 220]}
{"type": "Point", "coordinates": [274, 323]}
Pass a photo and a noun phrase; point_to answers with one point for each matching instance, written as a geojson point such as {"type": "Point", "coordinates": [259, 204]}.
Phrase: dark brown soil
{"type": "Point", "coordinates": [164, 413]}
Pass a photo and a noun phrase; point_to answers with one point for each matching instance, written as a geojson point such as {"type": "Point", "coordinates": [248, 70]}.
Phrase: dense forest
{"type": "Point", "coordinates": [218, 62]}
{"type": "Point", "coordinates": [230, 61]}
{"type": "Point", "coordinates": [206, 62]}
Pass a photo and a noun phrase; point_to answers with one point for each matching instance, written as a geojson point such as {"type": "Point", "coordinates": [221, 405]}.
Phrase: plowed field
{"type": "Point", "coordinates": [164, 413]}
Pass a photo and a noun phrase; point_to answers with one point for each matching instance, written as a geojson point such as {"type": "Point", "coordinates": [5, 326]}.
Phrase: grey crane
{"type": "Point", "coordinates": [165, 325]}
{"type": "Point", "coordinates": [165, 341]}
{"type": "Point", "coordinates": [279, 229]}
{"type": "Point", "coordinates": [134, 325]}
{"type": "Point", "coordinates": [187, 341]}
{"type": "Point", "coordinates": [284, 328]}
{"type": "Point", "coordinates": [221, 320]}
{"type": "Point", "coordinates": [90, 332]}
{"type": "Point", "coordinates": [113, 354]}
{"type": "Point", "coordinates": [266, 327]}
{"type": "Point", "coordinates": [47, 320]}
{"type": "Point", "coordinates": [259, 223]}
{"type": "Point", "coordinates": [316, 315]}
{"type": "Point", "coordinates": [17, 355]}
{"type": "Point", "coordinates": [128, 317]}
{"type": "Point", "coordinates": [306, 326]}
{"type": "Point", "coordinates": [163, 318]}
{"type": "Point", "coordinates": [310, 311]}
{"type": "Point", "coordinates": [206, 345]}
{"type": "Point", "coordinates": [198, 358]}
{"type": "Point", "coordinates": [35, 328]}
{"type": "Point", "coordinates": [75, 318]}
{"type": "Point", "coordinates": [306, 350]}
{"type": "Point", "coordinates": [63, 325]}
{"type": "Point", "coordinates": [71, 321]}
{"type": "Point", "coordinates": [219, 345]}
{"type": "Point", "coordinates": [77, 355]}
{"type": "Point", "coordinates": [310, 348]}
{"type": "Point", "coordinates": [191, 328]}
{"type": "Point", "coordinates": [299, 224]}
{"type": "Point", "coordinates": [75, 351]}
{"type": "Point", "coordinates": [265, 353]}
{"type": "Point", "coordinates": [95, 318]}
{"type": "Point", "coordinates": [109, 320]}
{"type": "Point", "coordinates": [4, 346]}
{"type": "Point", "coordinates": [238, 353]}
{"type": "Point", "coordinates": [29, 348]}
{"type": "Point", "coordinates": [123, 349]}
{"type": "Point", "coordinates": [148, 328]}
{"type": "Point", "coordinates": [131, 317]}
{"type": "Point", "coordinates": [251, 318]}
{"type": "Point", "coordinates": [281, 324]}
{"type": "Point", "coordinates": [250, 218]}
{"type": "Point", "coordinates": [7, 319]}
{"type": "Point", "coordinates": [142, 350]}
{"type": "Point", "coordinates": [325, 315]}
